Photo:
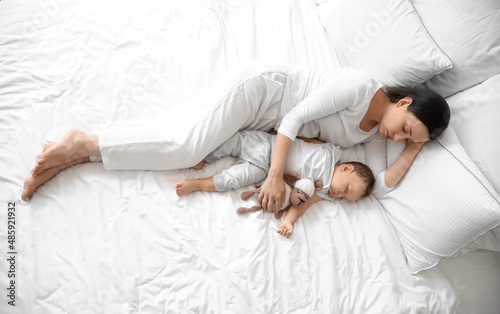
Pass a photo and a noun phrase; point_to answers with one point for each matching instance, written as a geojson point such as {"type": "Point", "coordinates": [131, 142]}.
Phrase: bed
{"type": "Point", "coordinates": [97, 241]}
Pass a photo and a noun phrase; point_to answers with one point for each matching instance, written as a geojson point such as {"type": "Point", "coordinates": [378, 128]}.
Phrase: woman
{"type": "Point", "coordinates": [344, 107]}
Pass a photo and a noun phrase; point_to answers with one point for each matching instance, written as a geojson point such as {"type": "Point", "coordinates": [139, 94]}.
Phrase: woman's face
{"type": "Point", "coordinates": [400, 125]}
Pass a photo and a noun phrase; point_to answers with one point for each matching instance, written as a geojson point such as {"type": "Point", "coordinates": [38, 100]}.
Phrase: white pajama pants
{"type": "Point", "coordinates": [254, 152]}
{"type": "Point", "coordinates": [251, 100]}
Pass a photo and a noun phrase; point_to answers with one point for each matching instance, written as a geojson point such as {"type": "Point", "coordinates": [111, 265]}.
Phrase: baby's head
{"type": "Point", "coordinates": [351, 181]}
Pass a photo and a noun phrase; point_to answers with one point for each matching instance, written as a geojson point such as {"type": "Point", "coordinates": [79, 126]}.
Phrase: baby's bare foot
{"type": "Point", "coordinates": [186, 187]}
{"type": "Point", "coordinates": [74, 145]}
{"type": "Point", "coordinates": [199, 165]}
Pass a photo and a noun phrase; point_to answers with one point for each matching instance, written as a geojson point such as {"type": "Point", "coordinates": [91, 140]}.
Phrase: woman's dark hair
{"type": "Point", "coordinates": [428, 106]}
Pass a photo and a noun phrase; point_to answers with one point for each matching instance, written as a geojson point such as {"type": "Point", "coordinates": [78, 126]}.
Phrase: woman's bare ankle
{"type": "Point", "coordinates": [94, 145]}
{"type": "Point", "coordinates": [88, 145]}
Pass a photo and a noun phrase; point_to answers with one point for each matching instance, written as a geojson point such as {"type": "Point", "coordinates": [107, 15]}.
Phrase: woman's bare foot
{"type": "Point", "coordinates": [32, 182]}
{"type": "Point", "coordinates": [73, 146]}
{"type": "Point", "coordinates": [199, 165]}
{"type": "Point", "coordinates": [186, 187]}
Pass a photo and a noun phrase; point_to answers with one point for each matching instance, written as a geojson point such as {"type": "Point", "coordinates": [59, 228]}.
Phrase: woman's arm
{"type": "Point", "coordinates": [273, 189]}
{"type": "Point", "coordinates": [335, 94]}
{"type": "Point", "coordinates": [376, 159]}
{"type": "Point", "coordinates": [398, 169]}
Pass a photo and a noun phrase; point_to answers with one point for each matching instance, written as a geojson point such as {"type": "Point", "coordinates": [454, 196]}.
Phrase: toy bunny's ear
{"type": "Point", "coordinates": [318, 185]}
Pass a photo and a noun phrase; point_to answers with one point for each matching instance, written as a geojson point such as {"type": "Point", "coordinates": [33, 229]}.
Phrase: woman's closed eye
{"type": "Point", "coordinates": [407, 130]}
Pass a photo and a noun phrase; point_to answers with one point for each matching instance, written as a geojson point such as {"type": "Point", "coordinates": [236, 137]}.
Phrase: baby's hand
{"type": "Point", "coordinates": [286, 229]}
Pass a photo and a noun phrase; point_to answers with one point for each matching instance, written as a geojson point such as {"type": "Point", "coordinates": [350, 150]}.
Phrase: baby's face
{"type": "Point", "coordinates": [347, 184]}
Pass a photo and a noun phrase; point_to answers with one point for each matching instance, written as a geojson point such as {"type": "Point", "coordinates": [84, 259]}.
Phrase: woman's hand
{"type": "Point", "coordinates": [273, 190]}
{"type": "Point", "coordinates": [273, 193]}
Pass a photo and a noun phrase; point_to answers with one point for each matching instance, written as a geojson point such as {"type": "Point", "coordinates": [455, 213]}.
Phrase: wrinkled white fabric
{"type": "Point", "coordinates": [97, 241]}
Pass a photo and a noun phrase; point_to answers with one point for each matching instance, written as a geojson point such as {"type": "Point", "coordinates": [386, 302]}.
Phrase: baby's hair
{"type": "Point", "coordinates": [365, 173]}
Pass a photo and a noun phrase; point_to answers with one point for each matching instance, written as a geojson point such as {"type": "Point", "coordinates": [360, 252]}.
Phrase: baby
{"type": "Point", "coordinates": [253, 149]}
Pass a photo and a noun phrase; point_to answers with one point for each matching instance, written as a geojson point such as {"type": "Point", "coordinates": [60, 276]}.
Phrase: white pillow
{"type": "Point", "coordinates": [385, 38]}
{"type": "Point", "coordinates": [469, 33]}
{"type": "Point", "coordinates": [474, 118]}
{"type": "Point", "coordinates": [442, 204]}
{"type": "Point", "coordinates": [474, 115]}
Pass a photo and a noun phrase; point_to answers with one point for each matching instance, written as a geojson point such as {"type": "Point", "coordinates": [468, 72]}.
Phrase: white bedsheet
{"type": "Point", "coordinates": [96, 241]}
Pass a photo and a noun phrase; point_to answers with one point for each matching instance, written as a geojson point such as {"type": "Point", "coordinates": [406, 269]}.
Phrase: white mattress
{"type": "Point", "coordinates": [97, 241]}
